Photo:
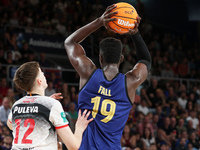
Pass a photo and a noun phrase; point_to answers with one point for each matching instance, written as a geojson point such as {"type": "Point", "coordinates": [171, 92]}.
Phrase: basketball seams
{"type": "Point", "coordinates": [125, 17]}
{"type": "Point", "coordinates": [123, 7]}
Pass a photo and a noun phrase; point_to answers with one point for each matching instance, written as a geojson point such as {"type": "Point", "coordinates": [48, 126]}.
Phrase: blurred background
{"type": "Point", "coordinates": [166, 112]}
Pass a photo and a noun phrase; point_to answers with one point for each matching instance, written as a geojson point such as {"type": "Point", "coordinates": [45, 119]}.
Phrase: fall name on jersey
{"type": "Point", "coordinates": [27, 109]}
{"type": "Point", "coordinates": [102, 90]}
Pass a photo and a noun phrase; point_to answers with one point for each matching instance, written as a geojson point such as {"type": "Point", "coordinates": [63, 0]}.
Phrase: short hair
{"type": "Point", "coordinates": [26, 74]}
{"type": "Point", "coordinates": [111, 50]}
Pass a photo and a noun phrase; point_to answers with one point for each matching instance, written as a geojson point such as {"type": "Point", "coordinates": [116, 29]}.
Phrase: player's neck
{"type": "Point", "coordinates": [110, 68]}
{"type": "Point", "coordinates": [37, 91]}
{"type": "Point", "coordinates": [110, 71]}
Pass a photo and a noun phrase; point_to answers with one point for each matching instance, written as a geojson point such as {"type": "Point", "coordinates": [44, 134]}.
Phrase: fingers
{"type": "Point", "coordinates": [111, 14]}
{"type": "Point", "coordinates": [79, 113]}
{"type": "Point", "coordinates": [90, 120]}
{"type": "Point", "coordinates": [111, 7]}
{"type": "Point", "coordinates": [85, 115]}
{"type": "Point", "coordinates": [84, 112]}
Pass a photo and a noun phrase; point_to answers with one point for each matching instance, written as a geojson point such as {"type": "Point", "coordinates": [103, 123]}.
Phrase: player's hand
{"type": "Point", "coordinates": [56, 96]}
{"type": "Point", "coordinates": [135, 29]}
{"type": "Point", "coordinates": [105, 18]}
{"type": "Point", "coordinates": [82, 121]}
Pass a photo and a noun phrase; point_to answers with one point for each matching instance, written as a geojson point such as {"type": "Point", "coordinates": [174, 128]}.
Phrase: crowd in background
{"type": "Point", "coordinates": [166, 113]}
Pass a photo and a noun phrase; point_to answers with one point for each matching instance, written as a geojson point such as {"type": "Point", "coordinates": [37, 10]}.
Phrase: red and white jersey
{"type": "Point", "coordinates": [34, 120]}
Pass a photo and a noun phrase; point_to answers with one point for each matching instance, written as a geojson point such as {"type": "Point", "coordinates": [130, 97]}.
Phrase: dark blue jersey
{"type": "Point", "coordinates": [110, 106]}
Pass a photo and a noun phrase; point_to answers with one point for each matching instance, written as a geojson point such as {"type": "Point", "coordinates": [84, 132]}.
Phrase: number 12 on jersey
{"type": "Point", "coordinates": [109, 114]}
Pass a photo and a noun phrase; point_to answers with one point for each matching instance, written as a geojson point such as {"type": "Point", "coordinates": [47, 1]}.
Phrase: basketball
{"type": "Point", "coordinates": [126, 17]}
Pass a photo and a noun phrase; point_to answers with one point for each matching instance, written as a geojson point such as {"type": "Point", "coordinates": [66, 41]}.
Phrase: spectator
{"type": "Point", "coordinates": [64, 90]}
{"type": "Point", "coordinates": [190, 128]}
{"type": "Point", "coordinates": [127, 139]}
{"type": "Point", "coordinates": [160, 99]}
{"type": "Point", "coordinates": [173, 113]}
{"type": "Point", "coordinates": [144, 96]}
{"type": "Point", "coordinates": [143, 108]}
{"type": "Point", "coordinates": [180, 127]}
{"type": "Point", "coordinates": [167, 71]}
{"type": "Point", "coordinates": [74, 115]}
{"type": "Point", "coordinates": [182, 145]}
{"type": "Point", "coordinates": [193, 140]}
{"type": "Point", "coordinates": [161, 116]}
{"type": "Point", "coordinates": [193, 117]}
{"type": "Point", "coordinates": [49, 90]}
{"type": "Point", "coordinates": [7, 142]}
{"type": "Point", "coordinates": [161, 138]}
{"type": "Point", "coordinates": [151, 91]}
{"type": "Point", "coordinates": [148, 138]}
{"type": "Point", "coordinates": [191, 147]}
{"type": "Point", "coordinates": [65, 103]}
{"type": "Point", "coordinates": [182, 100]}
{"type": "Point", "coordinates": [182, 135]}
{"type": "Point", "coordinates": [3, 89]}
{"type": "Point", "coordinates": [11, 97]}
{"type": "Point", "coordinates": [172, 125]}
{"type": "Point", "coordinates": [183, 68]}
{"type": "Point", "coordinates": [155, 124]}
{"type": "Point", "coordinates": [4, 111]}
{"type": "Point", "coordinates": [143, 125]}
{"type": "Point", "coordinates": [172, 98]}
{"type": "Point", "coordinates": [127, 64]}
{"type": "Point", "coordinates": [166, 126]}
{"type": "Point", "coordinates": [73, 93]}
{"type": "Point", "coordinates": [42, 61]}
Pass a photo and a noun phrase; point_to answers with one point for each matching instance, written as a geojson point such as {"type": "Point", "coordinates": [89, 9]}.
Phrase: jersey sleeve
{"type": "Point", "coordinates": [10, 117]}
{"type": "Point", "coordinates": [58, 117]}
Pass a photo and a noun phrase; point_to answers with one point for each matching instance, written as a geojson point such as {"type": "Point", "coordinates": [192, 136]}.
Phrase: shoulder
{"type": "Point", "coordinates": [49, 100]}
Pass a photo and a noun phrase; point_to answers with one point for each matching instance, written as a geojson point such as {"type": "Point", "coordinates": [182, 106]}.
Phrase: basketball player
{"type": "Point", "coordinates": [35, 118]}
{"type": "Point", "coordinates": [106, 92]}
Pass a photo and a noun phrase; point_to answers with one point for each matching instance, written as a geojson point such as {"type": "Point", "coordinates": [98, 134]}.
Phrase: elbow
{"type": "Point", "coordinates": [66, 42]}
{"type": "Point", "coordinates": [74, 147]}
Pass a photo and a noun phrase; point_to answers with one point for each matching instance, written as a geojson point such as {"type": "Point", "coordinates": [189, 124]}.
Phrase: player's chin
{"type": "Point", "coordinates": [45, 86]}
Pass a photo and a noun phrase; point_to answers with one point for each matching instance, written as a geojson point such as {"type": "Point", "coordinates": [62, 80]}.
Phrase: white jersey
{"type": "Point", "coordinates": [34, 120]}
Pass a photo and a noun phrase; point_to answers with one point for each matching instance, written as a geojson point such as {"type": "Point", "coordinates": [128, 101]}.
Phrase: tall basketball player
{"type": "Point", "coordinates": [106, 92]}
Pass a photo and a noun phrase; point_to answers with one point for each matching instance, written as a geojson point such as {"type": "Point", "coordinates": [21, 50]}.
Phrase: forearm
{"type": "Point", "coordinates": [80, 34]}
{"type": "Point", "coordinates": [142, 51]}
{"type": "Point", "coordinates": [78, 135]}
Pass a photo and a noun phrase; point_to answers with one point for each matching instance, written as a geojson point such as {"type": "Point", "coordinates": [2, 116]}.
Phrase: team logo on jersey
{"type": "Point", "coordinates": [63, 117]}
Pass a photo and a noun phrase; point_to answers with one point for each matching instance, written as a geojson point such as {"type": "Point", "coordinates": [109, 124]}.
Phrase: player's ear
{"type": "Point", "coordinates": [121, 58]}
{"type": "Point", "coordinates": [100, 59]}
{"type": "Point", "coordinates": [39, 81]}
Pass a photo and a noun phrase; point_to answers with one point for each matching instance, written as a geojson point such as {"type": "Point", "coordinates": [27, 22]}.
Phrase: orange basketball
{"type": "Point", "coordinates": [126, 17]}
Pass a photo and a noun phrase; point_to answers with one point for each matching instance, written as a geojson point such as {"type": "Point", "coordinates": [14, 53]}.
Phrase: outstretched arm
{"type": "Point", "coordinates": [139, 73]}
{"type": "Point", "coordinates": [73, 141]}
{"type": "Point", "coordinates": [83, 65]}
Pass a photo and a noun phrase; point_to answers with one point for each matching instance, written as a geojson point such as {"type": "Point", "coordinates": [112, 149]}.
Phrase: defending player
{"type": "Point", "coordinates": [106, 92]}
{"type": "Point", "coordinates": [35, 117]}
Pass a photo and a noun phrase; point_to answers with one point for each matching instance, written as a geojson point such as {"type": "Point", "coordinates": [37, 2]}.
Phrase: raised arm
{"type": "Point", "coordinates": [139, 73]}
{"type": "Point", "coordinates": [73, 141]}
{"type": "Point", "coordinates": [83, 65]}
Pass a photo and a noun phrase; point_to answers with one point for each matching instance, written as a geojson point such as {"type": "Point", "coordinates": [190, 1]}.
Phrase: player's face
{"type": "Point", "coordinates": [43, 79]}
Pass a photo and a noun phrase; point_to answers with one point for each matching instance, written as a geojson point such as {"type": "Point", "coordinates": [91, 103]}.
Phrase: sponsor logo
{"type": "Point", "coordinates": [29, 100]}
{"type": "Point", "coordinates": [125, 23]}
{"type": "Point", "coordinates": [45, 43]}
{"type": "Point", "coordinates": [28, 109]}
{"type": "Point", "coordinates": [129, 12]}
{"type": "Point", "coordinates": [63, 116]}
